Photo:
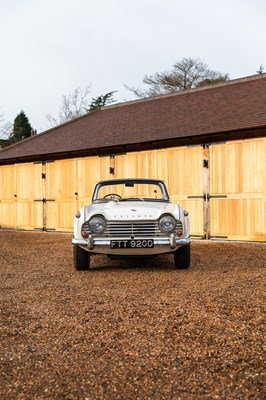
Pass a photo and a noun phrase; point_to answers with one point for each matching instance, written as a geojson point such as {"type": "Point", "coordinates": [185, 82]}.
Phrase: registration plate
{"type": "Point", "coordinates": [132, 244]}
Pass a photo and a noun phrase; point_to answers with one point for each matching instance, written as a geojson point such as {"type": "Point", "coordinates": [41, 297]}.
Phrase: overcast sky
{"type": "Point", "coordinates": [49, 47]}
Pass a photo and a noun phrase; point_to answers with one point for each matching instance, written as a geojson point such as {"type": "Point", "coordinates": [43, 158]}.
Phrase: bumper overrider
{"type": "Point", "coordinates": [104, 245]}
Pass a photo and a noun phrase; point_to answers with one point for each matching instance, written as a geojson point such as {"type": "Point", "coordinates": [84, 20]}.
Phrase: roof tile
{"type": "Point", "coordinates": [233, 105]}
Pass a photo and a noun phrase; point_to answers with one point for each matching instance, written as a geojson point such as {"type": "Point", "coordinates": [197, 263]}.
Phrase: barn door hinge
{"type": "Point", "coordinates": [208, 196]}
{"type": "Point", "coordinates": [44, 229]}
{"type": "Point", "coordinates": [204, 237]}
{"type": "Point", "coordinates": [205, 163]}
{"type": "Point", "coordinates": [196, 197]}
{"type": "Point", "coordinates": [44, 200]}
{"type": "Point", "coordinates": [217, 196]}
{"type": "Point", "coordinates": [198, 236]}
{"type": "Point", "coordinates": [218, 237]}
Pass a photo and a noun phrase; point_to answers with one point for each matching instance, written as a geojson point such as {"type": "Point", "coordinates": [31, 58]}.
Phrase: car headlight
{"type": "Point", "coordinates": [167, 224]}
{"type": "Point", "coordinates": [97, 224]}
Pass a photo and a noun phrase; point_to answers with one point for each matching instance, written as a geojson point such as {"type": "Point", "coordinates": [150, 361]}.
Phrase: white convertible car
{"type": "Point", "coordinates": [131, 218]}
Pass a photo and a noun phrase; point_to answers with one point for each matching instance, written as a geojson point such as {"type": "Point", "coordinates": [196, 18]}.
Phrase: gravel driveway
{"type": "Point", "coordinates": [130, 329]}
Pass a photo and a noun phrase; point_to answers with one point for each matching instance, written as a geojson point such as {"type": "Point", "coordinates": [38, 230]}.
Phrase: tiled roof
{"type": "Point", "coordinates": [234, 105]}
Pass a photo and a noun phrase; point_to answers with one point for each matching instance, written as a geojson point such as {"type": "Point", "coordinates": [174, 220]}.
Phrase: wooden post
{"type": "Point", "coordinates": [206, 190]}
{"type": "Point", "coordinates": [44, 194]}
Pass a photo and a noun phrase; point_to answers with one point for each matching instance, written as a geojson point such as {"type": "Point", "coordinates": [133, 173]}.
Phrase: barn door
{"type": "Point", "coordinates": [29, 195]}
{"type": "Point", "coordinates": [68, 187]}
{"type": "Point", "coordinates": [136, 165]}
{"type": "Point", "coordinates": [182, 170]}
{"type": "Point", "coordinates": [185, 179]}
{"type": "Point", "coordinates": [59, 196]}
{"type": "Point", "coordinates": [238, 190]}
{"type": "Point", "coordinates": [88, 171]}
{"type": "Point", "coordinates": [8, 203]}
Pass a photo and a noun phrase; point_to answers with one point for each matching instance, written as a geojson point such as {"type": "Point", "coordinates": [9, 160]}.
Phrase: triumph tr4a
{"type": "Point", "coordinates": [131, 218]}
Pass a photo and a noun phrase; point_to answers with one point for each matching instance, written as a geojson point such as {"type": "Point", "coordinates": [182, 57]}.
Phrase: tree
{"type": "Point", "coordinates": [5, 131]}
{"type": "Point", "coordinates": [187, 73]}
{"type": "Point", "coordinates": [21, 127]}
{"type": "Point", "coordinates": [260, 70]}
{"type": "Point", "coordinates": [1, 125]}
{"type": "Point", "coordinates": [77, 104]}
{"type": "Point", "coordinates": [101, 101]}
{"type": "Point", "coordinates": [72, 106]}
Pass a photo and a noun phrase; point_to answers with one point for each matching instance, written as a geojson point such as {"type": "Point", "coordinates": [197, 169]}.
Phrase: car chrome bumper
{"type": "Point", "coordinates": [161, 245]}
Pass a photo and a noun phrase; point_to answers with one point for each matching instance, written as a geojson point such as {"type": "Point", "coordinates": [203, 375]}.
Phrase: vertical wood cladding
{"type": "Point", "coordinates": [222, 185]}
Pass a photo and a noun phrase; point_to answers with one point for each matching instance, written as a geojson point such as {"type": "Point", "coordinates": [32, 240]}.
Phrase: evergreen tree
{"type": "Point", "coordinates": [21, 127]}
{"type": "Point", "coordinates": [101, 101]}
{"type": "Point", "coordinates": [260, 70]}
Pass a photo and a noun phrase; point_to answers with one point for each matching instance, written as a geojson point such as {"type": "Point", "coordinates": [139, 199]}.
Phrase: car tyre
{"type": "Point", "coordinates": [182, 257]}
{"type": "Point", "coordinates": [81, 258]}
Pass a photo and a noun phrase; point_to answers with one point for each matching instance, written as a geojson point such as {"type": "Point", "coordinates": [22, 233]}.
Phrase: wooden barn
{"type": "Point", "coordinates": [208, 144]}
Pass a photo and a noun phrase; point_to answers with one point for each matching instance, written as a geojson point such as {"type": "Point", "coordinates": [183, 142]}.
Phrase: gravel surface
{"type": "Point", "coordinates": [130, 329]}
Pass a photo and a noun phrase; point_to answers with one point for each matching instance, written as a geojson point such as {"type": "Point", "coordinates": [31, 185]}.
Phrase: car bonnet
{"type": "Point", "coordinates": [131, 210]}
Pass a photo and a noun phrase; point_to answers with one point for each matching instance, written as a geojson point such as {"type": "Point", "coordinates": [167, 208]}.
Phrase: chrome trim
{"type": "Point", "coordinates": [81, 242]}
{"type": "Point", "coordinates": [90, 242]}
{"type": "Point", "coordinates": [138, 229]}
{"type": "Point", "coordinates": [172, 241]}
{"type": "Point", "coordinates": [106, 242]}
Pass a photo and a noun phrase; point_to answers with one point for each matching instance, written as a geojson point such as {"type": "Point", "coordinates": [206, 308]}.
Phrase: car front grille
{"type": "Point", "coordinates": [135, 228]}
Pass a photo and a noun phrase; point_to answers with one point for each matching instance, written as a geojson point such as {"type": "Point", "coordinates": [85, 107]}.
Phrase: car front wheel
{"type": "Point", "coordinates": [81, 258]}
{"type": "Point", "coordinates": [182, 257]}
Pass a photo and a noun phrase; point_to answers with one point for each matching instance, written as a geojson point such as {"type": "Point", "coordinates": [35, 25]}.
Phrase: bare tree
{"type": "Point", "coordinates": [6, 130]}
{"type": "Point", "coordinates": [188, 73]}
{"type": "Point", "coordinates": [72, 106]}
{"type": "Point", "coordinates": [5, 127]}
{"type": "Point", "coordinates": [1, 121]}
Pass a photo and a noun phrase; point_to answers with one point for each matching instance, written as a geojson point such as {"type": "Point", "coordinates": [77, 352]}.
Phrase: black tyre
{"type": "Point", "coordinates": [81, 258]}
{"type": "Point", "coordinates": [182, 257]}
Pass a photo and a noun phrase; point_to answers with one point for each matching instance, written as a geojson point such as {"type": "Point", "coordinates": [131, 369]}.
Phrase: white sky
{"type": "Point", "coordinates": [49, 47]}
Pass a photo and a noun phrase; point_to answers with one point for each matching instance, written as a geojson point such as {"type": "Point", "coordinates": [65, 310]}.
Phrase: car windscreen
{"type": "Point", "coordinates": [131, 191]}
